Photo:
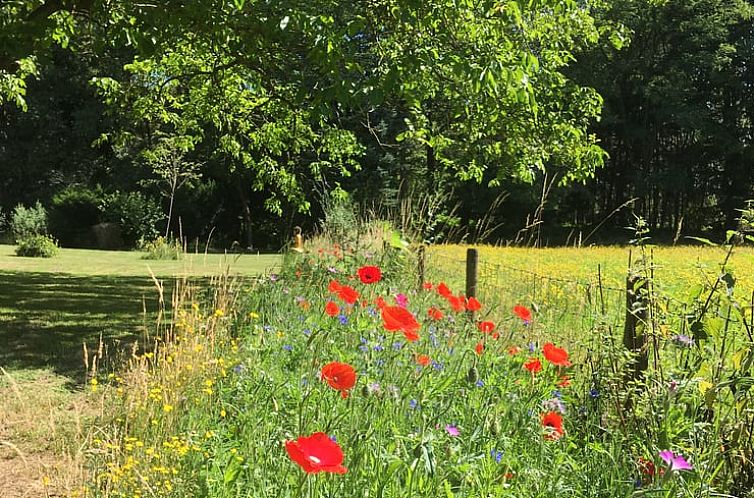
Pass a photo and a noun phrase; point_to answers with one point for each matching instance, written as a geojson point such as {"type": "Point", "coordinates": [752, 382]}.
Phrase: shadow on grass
{"type": "Point", "coordinates": [45, 318]}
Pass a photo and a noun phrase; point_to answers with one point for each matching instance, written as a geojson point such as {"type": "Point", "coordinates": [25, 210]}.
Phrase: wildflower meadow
{"type": "Point", "coordinates": [342, 374]}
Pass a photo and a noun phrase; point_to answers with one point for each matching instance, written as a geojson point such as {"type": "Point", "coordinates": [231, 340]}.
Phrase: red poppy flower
{"type": "Point", "coordinates": [514, 350]}
{"type": "Point", "coordinates": [380, 302]}
{"type": "Point", "coordinates": [316, 453]}
{"type": "Point", "coordinates": [423, 360]}
{"type": "Point", "coordinates": [443, 290]}
{"type": "Point", "coordinates": [522, 312]}
{"type": "Point", "coordinates": [427, 285]}
{"type": "Point", "coordinates": [457, 303]}
{"type": "Point", "coordinates": [556, 355]}
{"type": "Point", "coordinates": [370, 274]}
{"type": "Point", "coordinates": [486, 327]}
{"type": "Point", "coordinates": [340, 376]}
{"type": "Point", "coordinates": [648, 469]}
{"type": "Point", "coordinates": [479, 348]}
{"type": "Point", "coordinates": [533, 365]}
{"type": "Point", "coordinates": [348, 294]}
{"type": "Point", "coordinates": [331, 308]}
{"type": "Point", "coordinates": [553, 422]}
{"type": "Point", "coordinates": [397, 319]}
{"type": "Point", "coordinates": [334, 286]}
{"type": "Point", "coordinates": [473, 304]}
{"type": "Point", "coordinates": [434, 313]}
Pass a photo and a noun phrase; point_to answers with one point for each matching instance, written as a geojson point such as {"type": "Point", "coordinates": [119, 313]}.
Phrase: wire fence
{"type": "Point", "coordinates": [585, 304]}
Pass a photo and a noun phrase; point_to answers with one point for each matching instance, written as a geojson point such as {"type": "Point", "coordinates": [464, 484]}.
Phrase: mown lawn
{"type": "Point", "coordinates": [50, 307]}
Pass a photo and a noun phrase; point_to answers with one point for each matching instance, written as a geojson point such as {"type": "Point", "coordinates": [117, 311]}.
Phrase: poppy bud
{"type": "Point", "coordinates": [495, 427]}
{"type": "Point", "coordinates": [418, 450]}
{"type": "Point", "coordinates": [473, 375]}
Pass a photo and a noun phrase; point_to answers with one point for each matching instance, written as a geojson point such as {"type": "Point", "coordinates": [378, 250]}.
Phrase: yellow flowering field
{"type": "Point", "coordinates": [675, 267]}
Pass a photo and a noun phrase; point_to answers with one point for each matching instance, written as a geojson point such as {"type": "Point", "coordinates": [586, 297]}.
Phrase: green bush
{"type": "Point", "coordinates": [30, 221]}
{"type": "Point", "coordinates": [138, 215]}
{"type": "Point", "coordinates": [37, 246]}
{"type": "Point", "coordinates": [73, 212]}
{"type": "Point", "coordinates": [161, 248]}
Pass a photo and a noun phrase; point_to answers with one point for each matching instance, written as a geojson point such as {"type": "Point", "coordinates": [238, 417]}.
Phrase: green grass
{"type": "Point", "coordinates": [50, 307]}
{"type": "Point", "coordinates": [129, 263]}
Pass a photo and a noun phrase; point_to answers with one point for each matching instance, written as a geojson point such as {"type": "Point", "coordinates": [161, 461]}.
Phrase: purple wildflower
{"type": "Point", "coordinates": [676, 462]}
{"type": "Point", "coordinates": [452, 430]}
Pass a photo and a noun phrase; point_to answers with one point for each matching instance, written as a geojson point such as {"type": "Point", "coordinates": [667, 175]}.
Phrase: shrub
{"type": "Point", "coordinates": [137, 214]}
{"type": "Point", "coordinates": [30, 221]}
{"type": "Point", "coordinates": [37, 246]}
{"type": "Point", "coordinates": [73, 212]}
{"type": "Point", "coordinates": [161, 248]}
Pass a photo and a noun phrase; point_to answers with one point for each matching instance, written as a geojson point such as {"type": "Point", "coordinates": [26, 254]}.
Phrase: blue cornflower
{"type": "Point", "coordinates": [479, 383]}
{"type": "Point", "coordinates": [594, 393]}
{"type": "Point", "coordinates": [307, 331]}
{"type": "Point", "coordinates": [413, 404]}
{"type": "Point", "coordinates": [397, 345]}
{"type": "Point", "coordinates": [532, 347]}
{"type": "Point", "coordinates": [364, 349]}
{"type": "Point", "coordinates": [497, 455]}
{"type": "Point", "coordinates": [437, 366]}
{"type": "Point", "coordinates": [343, 319]}
{"type": "Point", "coordinates": [683, 340]}
{"type": "Point", "coordinates": [557, 394]}
{"type": "Point", "coordinates": [238, 369]}
{"type": "Point", "coordinates": [378, 347]}
{"type": "Point", "coordinates": [288, 347]}
{"type": "Point", "coordinates": [267, 328]}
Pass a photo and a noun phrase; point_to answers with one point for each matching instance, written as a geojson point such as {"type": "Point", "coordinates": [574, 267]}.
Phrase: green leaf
{"type": "Point", "coordinates": [702, 240]}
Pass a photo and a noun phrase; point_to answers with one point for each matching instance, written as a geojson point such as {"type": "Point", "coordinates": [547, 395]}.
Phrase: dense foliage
{"type": "Point", "coordinates": [229, 110]}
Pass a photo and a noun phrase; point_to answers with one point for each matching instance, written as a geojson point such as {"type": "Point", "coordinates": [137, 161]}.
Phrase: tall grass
{"type": "Point", "coordinates": [237, 372]}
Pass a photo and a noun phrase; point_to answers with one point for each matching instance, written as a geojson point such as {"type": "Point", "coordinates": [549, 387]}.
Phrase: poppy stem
{"type": "Point", "coordinates": [299, 493]}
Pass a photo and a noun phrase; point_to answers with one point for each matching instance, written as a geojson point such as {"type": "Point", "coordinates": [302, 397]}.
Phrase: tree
{"type": "Point", "coordinates": [167, 160]}
{"type": "Point", "coordinates": [475, 85]}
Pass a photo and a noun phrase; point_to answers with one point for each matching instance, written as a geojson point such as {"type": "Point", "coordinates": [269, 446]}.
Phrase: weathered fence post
{"type": "Point", "coordinates": [421, 266]}
{"type": "Point", "coordinates": [472, 263]}
{"type": "Point", "coordinates": [634, 337]}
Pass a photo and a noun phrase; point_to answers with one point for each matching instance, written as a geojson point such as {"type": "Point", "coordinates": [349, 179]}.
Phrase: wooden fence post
{"type": "Point", "coordinates": [634, 338]}
{"type": "Point", "coordinates": [421, 266]}
{"type": "Point", "coordinates": [472, 263]}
